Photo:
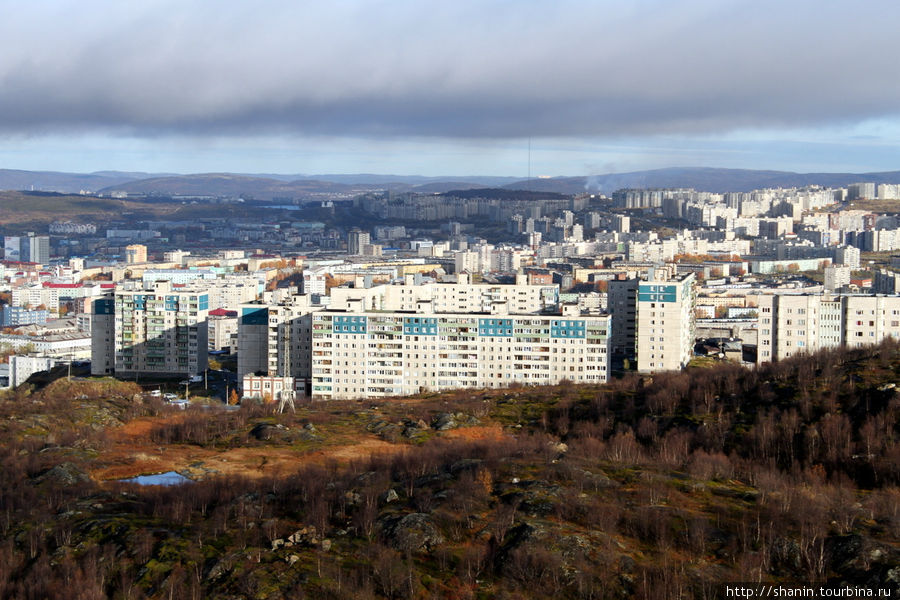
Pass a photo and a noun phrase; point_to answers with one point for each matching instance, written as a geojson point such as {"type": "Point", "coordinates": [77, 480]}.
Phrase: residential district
{"type": "Point", "coordinates": [421, 293]}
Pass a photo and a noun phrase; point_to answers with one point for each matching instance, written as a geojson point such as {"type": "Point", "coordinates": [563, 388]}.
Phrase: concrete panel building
{"type": "Point", "coordinates": [795, 324]}
{"type": "Point", "coordinates": [665, 321]}
{"type": "Point", "coordinates": [160, 330]}
{"type": "Point", "coordinates": [103, 331]}
{"type": "Point", "coordinates": [382, 354]}
{"type": "Point", "coordinates": [275, 339]}
{"type": "Point", "coordinates": [135, 253]}
{"type": "Point", "coordinates": [622, 303]}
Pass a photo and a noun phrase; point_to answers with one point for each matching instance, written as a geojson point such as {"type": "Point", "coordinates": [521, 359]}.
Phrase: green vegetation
{"type": "Point", "coordinates": [659, 487]}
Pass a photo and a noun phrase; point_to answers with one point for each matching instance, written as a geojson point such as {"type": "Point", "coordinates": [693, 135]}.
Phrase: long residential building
{"type": "Point", "coordinates": [359, 354]}
{"type": "Point", "coordinates": [800, 323]}
{"type": "Point", "coordinates": [461, 297]}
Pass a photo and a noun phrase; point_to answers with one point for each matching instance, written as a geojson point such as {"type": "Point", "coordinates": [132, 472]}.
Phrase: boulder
{"type": "Point", "coordinates": [444, 421]}
{"type": "Point", "coordinates": [263, 432]}
{"type": "Point", "coordinates": [412, 533]}
{"type": "Point", "coordinates": [64, 474]}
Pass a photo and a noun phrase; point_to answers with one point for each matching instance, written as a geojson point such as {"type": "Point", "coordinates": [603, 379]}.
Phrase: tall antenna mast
{"type": "Point", "coordinates": [287, 395]}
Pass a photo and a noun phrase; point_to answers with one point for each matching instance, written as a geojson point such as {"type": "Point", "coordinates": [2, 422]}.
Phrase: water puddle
{"type": "Point", "coordinates": [169, 478]}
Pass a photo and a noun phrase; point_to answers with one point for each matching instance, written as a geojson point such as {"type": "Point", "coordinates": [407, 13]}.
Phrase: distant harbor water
{"type": "Point", "coordinates": [169, 478]}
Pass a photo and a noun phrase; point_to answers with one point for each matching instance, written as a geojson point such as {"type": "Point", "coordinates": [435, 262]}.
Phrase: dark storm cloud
{"type": "Point", "coordinates": [461, 69]}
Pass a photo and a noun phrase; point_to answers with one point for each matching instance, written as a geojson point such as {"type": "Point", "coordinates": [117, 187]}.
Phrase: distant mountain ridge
{"type": "Point", "coordinates": [705, 179]}
{"type": "Point", "coordinates": [269, 186]}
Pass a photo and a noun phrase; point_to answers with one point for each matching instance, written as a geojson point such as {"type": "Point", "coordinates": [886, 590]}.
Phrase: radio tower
{"type": "Point", "coordinates": [287, 394]}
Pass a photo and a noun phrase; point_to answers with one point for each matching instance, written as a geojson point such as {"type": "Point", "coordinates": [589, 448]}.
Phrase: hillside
{"type": "Point", "coordinates": [660, 487]}
{"type": "Point", "coordinates": [227, 184]}
{"type": "Point", "coordinates": [700, 178]}
{"type": "Point", "coordinates": [21, 208]}
{"type": "Point", "coordinates": [503, 194]}
{"type": "Point", "coordinates": [67, 183]}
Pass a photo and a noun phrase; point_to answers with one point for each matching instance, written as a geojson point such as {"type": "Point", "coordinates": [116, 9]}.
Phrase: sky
{"type": "Point", "coordinates": [449, 88]}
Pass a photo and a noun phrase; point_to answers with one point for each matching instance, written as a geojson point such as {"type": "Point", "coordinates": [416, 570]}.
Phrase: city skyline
{"type": "Point", "coordinates": [467, 89]}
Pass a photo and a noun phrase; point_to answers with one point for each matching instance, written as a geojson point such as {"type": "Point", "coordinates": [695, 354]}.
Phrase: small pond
{"type": "Point", "coordinates": [170, 478]}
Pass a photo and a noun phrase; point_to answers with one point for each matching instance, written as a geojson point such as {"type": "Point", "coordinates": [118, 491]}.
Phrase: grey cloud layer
{"type": "Point", "coordinates": [471, 69]}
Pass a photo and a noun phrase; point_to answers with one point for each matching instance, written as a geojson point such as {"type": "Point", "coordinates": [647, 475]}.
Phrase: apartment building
{"type": "Point", "coordinates": [622, 303]}
{"type": "Point", "coordinates": [135, 253]}
{"type": "Point", "coordinates": [794, 324]}
{"type": "Point", "coordinates": [356, 241]}
{"type": "Point", "coordinates": [836, 277]}
{"type": "Point", "coordinates": [27, 248]}
{"type": "Point", "coordinates": [222, 330]}
{"type": "Point", "coordinates": [665, 321]}
{"type": "Point", "coordinates": [103, 332]}
{"type": "Point", "coordinates": [15, 316]}
{"type": "Point", "coordinates": [275, 339]}
{"type": "Point", "coordinates": [160, 329]}
{"type": "Point", "coordinates": [231, 291]}
{"type": "Point", "coordinates": [36, 295]}
{"type": "Point", "coordinates": [358, 354]}
{"type": "Point", "coordinates": [460, 297]}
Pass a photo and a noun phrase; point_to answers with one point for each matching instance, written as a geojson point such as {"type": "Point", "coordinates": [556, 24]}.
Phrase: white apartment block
{"type": "Point", "coordinates": [229, 293]}
{"type": "Point", "coordinates": [275, 339]}
{"type": "Point", "coordinates": [461, 297]}
{"type": "Point", "coordinates": [222, 330]}
{"type": "Point", "coordinates": [466, 260]}
{"type": "Point", "coordinates": [160, 330]}
{"type": "Point", "coordinates": [382, 354]}
{"type": "Point", "coordinates": [665, 321]}
{"type": "Point", "coordinates": [177, 276]}
{"type": "Point", "coordinates": [36, 295]}
{"type": "Point", "coordinates": [847, 255]}
{"type": "Point", "coordinates": [888, 191]}
{"type": "Point", "coordinates": [870, 319]}
{"type": "Point", "coordinates": [314, 281]}
{"type": "Point", "coordinates": [795, 324]}
{"type": "Point", "coordinates": [21, 367]}
{"type": "Point", "coordinates": [836, 277]}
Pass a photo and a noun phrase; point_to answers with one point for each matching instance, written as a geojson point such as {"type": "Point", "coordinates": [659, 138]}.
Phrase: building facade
{"type": "Point", "coordinates": [802, 323]}
{"type": "Point", "coordinates": [356, 240]}
{"type": "Point", "coordinates": [665, 321]}
{"type": "Point", "coordinates": [135, 253]}
{"type": "Point", "coordinates": [382, 354]}
{"type": "Point", "coordinates": [16, 316]}
{"type": "Point", "coordinates": [276, 339]}
{"type": "Point", "coordinates": [27, 248]}
{"type": "Point", "coordinates": [160, 330]}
